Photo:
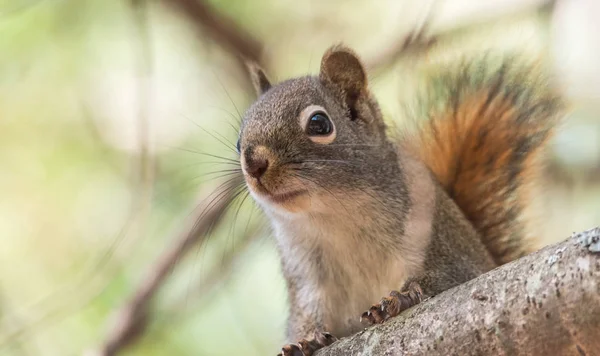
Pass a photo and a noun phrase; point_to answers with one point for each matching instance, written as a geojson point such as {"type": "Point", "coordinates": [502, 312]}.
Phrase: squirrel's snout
{"type": "Point", "coordinates": [257, 166]}
{"type": "Point", "coordinates": [256, 161]}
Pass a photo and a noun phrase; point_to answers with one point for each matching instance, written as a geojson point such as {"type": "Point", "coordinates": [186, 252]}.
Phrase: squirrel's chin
{"type": "Point", "coordinates": [290, 201]}
{"type": "Point", "coordinates": [287, 196]}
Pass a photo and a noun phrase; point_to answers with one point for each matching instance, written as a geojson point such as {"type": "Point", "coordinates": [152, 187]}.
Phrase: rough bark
{"type": "Point", "coordinates": [547, 303]}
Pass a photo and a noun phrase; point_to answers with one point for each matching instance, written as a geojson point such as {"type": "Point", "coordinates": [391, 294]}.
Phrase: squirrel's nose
{"type": "Point", "coordinates": [256, 166]}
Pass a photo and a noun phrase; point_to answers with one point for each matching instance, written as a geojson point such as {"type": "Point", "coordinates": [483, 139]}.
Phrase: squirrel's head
{"type": "Point", "coordinates": [308, 142]}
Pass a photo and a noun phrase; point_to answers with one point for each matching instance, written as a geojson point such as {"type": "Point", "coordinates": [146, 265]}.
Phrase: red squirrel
{"type": "Point", "coordinates": [358, 211]}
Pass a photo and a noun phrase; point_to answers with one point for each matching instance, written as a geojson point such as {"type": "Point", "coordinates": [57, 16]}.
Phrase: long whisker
{"type": "Point", "coordinates": [235, 217]}
{"type": "Point", "coordinates": [212, 162]}
{"type": "Point", "coordinates": [205, 154]}
{"type": "Point", "coordinates": [203, 179]}
{"type": "Point", "coordinates": [326, 160]}
{"type": "Point", "coordinates": [192, 183]}
{"type": "Point", "coordinates": [222, 191]}
{"type": "Point", "coordinates": [221, 175]}
{"type": "Point", "coordinates": [239, 190]}
{"type": "Point", "coordinates": [365, 191]}
{"type": "Point", "coordinates": [353, 145]}
{"type": "Point", "coordinates": [249, 217]}
{"type": "Point", "coordinates": [234, 170]}
{"type": "Point", "coordinates": [226, 142]}
{"type": "Point", "coordinates": [232, 116]}
{"type": "Point", "coordinates": [229, 96]}
{"type": "Point", "coordinates": [177, 170]}
{"type": "Point", "coordinates": [234, 146]}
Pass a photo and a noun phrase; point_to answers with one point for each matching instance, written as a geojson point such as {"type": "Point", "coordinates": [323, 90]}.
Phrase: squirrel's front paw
{"type": "Point", "coordinates": [306, 347]}
{"type": "Point", "coordinates": [393, 305]}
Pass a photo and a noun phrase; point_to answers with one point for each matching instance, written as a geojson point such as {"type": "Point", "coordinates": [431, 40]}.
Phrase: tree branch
{"type": "Point", "coordinates": [206, 288]}
{"type": "Point", "coordinates": [422, 37]}
{"type": "Point", "coordinates": [223, 30]}
{"type": "Point", "coordinates": [131, 319]}
{"type": "Point", "coordinates": [547, 303]}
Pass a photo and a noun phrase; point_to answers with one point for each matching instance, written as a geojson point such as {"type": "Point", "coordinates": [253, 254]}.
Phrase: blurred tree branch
{"type": "Point", "coordinates": [219, 276]}
{"type": "Point", "coordinates": [414, 42]}
{"type": "Point", "coordinates": [222, 29]}
{"type": "Point", "coordinates": [132, 319]}
{"type": "Point", "coordinates": [224, 32]}
{"type": "Point", "coordinates": [91, 284]}
{"type": "Point", "coordinates": [546, 303]}
{"type": "Point", "coordinates": [208, 287]}
{"type": "Point", "coordinates": [421, 38]}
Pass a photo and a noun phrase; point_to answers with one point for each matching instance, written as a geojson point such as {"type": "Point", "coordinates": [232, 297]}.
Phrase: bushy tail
{"type": "Point", "coordinates": [486, 127]}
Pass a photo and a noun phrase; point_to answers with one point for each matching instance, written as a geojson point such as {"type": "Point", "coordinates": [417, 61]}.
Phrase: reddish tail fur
{"type": "Point", "coordinates": [486, 127]}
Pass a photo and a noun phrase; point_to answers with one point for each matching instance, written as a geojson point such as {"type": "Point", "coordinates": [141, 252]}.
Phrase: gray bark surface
{"type": "Point", "coordinates": [547, 303]}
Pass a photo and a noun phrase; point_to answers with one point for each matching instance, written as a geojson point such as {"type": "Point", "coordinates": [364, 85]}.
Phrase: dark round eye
{"type": "Point", "coordinates": [319, 125]}
{"type": "Point", "coordinates": [237, 146]}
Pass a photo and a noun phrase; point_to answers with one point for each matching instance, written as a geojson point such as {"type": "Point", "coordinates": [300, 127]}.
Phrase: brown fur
{"type": "Point", "coordinates": [482, 140]}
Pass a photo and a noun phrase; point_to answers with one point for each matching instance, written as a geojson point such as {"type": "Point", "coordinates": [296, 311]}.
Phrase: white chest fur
{"type": "Point", "coordinates": [341, 274]}
{"type": "Point", "coordinates": [344, 260]}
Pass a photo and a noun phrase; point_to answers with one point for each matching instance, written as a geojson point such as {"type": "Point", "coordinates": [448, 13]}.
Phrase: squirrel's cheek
{"type": "Point", "coordinates": [300, 204]}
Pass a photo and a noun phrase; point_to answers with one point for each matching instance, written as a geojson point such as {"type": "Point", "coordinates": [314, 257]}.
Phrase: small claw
{"type": "Point", "coordinates": [393, 305]}
{"type": "Point", "coordinates": [291, 350]}
{"type": "Point", "coordinates": [377, 313]}
{"type": "Point", "coordinates": [324, 338]}
{"type": "Point", "coordinates": [305, 345]}
{"type": "Point", "coordinates": [390, 306]}
{"type": "Point", "coordinates": [298, 351]}
{"type": "Point", "coordinates": [417, 291]}
{"type": "Point", "coordinates": [367, 319]}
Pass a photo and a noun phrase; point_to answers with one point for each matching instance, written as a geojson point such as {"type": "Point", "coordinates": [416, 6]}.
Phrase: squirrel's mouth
{"type": "Point", "coordinates": [276, 197]}
{"type": "Point", "coordinates": [285, 197]}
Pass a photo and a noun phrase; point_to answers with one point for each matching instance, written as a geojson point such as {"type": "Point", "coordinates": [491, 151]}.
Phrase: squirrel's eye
{"type": "Point", "coordinates": [237, 146]}
{"type": "Point", "coordinates": [319, 125]}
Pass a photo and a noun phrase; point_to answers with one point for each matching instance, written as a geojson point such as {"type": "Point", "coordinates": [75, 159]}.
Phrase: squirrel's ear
{"type": "Point", "coordinates": [341, 67]}
{"type": "Point", "coordinates": [259, 79]}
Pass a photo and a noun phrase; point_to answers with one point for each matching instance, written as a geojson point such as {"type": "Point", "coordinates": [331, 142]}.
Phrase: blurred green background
{"type": "Point", "coordinates": [103, 112]}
